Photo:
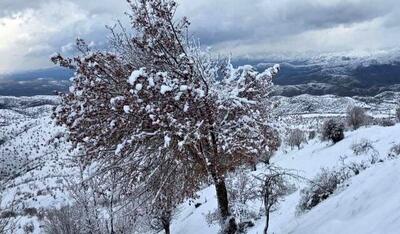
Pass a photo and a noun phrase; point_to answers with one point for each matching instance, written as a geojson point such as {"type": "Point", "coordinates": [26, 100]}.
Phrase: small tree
{"type": "Point", "coordinates": [296, 138]}
{"type": "Point", "coordinates": [274, 186]}
{"type": "Point", "coordinates": [242, 188]}
{"type": "Point", "coordinates": [332, 130]}
{"type": "Point", "coordinates": [356, 117]}
{"type": "Point", "coordinates": [398, 113]}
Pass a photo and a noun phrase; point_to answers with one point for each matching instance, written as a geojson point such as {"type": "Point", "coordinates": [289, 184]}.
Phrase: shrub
{"type": "Point", "coordinates": [31, 211]}
{"type": "Point", "coordinates": [296, 138]}
{"type": "Point", "coordinates": [29, 228]}
{"type": "Point", "coordinates": [332, 130]}
{"type": "Point", "coordinates": [326, 183]}
{"type": "Point", "coordinates": [394, 151]}
{"type": "Point", "coordinates": [356, 117]}
{"type": "Point", "coordinates": [242, 188]}
{"type": "Point", "coordinates": [62, 221]}
{"type": "Point", "coordinates": [362, 147]}
{"type": "Point", "coordinates": [385, 122]}
{"type": "Point", "coordinates": [319, 189]}
{"type": "Point", "coordinates": [398, 113]}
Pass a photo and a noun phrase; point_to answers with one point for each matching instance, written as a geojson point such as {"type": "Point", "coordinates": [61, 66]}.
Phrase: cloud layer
{"type": "Point", "coordinates": [32, 30]}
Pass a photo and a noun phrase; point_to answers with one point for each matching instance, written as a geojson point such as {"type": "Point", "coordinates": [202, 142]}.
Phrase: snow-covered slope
{"type": "Point", "coordinates": [33, 154]}
{"type": "Point", "coordinates": [368, 204]}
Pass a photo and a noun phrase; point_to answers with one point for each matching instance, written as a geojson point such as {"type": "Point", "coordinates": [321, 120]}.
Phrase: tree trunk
{"type": "Point", "coordinates": [266, 222]}
{"type": "Point", "coordinates": [222, 197]}
{"type": "Point", "coordinates": [230, 226]}
{"type": "Point", "coordinates": [166, 229]}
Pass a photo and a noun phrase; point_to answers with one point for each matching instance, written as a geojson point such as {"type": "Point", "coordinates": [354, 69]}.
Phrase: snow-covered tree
{"type": "Point", "coordinates": [296, 138]}
{"type": "Point", "coordinates": [332, 130]}
{"type": "Point", "coordinates": [356, 117]}
{"type": "Point", "coordinates": [156, 96]}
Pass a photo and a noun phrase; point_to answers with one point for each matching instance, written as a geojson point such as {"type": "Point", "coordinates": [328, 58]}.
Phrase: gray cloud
{"type": "Point", "coordinates": [36, 28]}
{"type": "Point", "coordinates": [225, 20]}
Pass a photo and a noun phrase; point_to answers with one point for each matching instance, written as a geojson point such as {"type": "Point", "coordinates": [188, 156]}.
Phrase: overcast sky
{"type": "Point", "coordinates": [30, 31]}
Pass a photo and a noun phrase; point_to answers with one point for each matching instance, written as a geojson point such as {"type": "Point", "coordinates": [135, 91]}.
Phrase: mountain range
{"type": "Point", "coordinates": [342, 74]}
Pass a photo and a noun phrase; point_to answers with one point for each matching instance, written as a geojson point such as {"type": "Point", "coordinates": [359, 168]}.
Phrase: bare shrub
{"type": "Point", "coordinates": [354, 168]}
{"type": "Point", "coordinates": [241, 190]}
{"type": "Point", "coordinates": [274, 186]}
{"type": "Point", "coordinates": [63, 221]}
{"type": "Point", "coordinates": [296, 138]}
{"type": "Point", "coordinates": [319, 189]}
{"type": "Point", "coordinates": [325, 183]}
{"type": "Point", "coordinates": [356, 117]}
{"type": "Point", "coordinates": [162, 200]}
{"type": "Point", "coordinates": [362, 147]}
{"type": "Point", "coordinates": [385, 122]}
{"type": "Point", "coordinates": [332, 130]}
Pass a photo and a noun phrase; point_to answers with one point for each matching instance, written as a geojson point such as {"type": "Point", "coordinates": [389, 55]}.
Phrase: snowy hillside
{"type": "Point", "coordinates": [33, 155]}
{"type": "Point", "coordinates": [368, 198]}
{"type": "Point", "coordinates": [34, 150]}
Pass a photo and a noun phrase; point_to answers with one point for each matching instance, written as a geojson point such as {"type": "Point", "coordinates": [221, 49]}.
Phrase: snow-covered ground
{"type": "Point", "coordinates": [370, 202]}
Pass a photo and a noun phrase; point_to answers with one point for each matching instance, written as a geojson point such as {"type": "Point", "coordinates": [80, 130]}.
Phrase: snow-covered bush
{"type": "Point", "coordinates": [394, 152]}
{"type": "Point", "coordinates": [332, 130]}
{"type": "Point", "coordinates": [28, 227]}
{"type": "Point", "coordinates": [362, 147]}
{"type": "Point", "coordinates": [385, 122]}
{"type": "Point", "coordinates": [7, 221]}
{"type": "Point", "coordinates": [296, 138]}
{"type": "Point", "coordinates": [319, 189]}
{"type": "Point", "coordinates": [325, 183]}
{"type": "Point", "coordinates": [63, 221]}
{"type": "Point", "coordinates": [97, 207]}
{"type": "Point", "coordinates": [356, 117]}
